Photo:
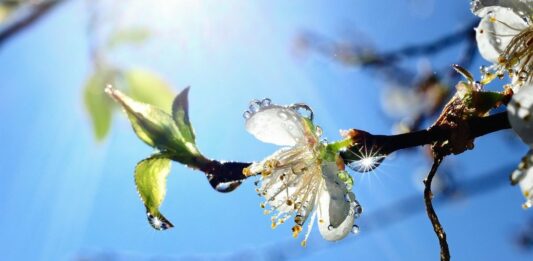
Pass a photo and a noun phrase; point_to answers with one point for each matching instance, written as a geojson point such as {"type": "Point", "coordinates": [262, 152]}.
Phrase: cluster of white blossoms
{"type": "Point", "coordinates": [505, 38]}
{"type": "Point", "coordinates": [306, 178]}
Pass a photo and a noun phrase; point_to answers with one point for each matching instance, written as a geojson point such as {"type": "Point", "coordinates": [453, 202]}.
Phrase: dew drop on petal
{"type": "Point", "coordinates": [475, 5]}
{"type": "Point", "coordinates": [283, 115]}
{"type": "Point", "coordinates": [255, 106]}
{"type": "Point", "coordinates": [247, 115]}
{"type": "Point", "coordinates": [358, 211]}
{"type": "Point", "coordinates": [318, 131]}
{"type": "Point", "coordinates": [266, 102]}
{"type": "Point", "coordinates": [303, 109]}
{"type": "Point", "coordinates": [522, 75]}
{"type": "Point", "coordinates": [355, 229]}
{"type": "Point", "coordinates": [330, 227]}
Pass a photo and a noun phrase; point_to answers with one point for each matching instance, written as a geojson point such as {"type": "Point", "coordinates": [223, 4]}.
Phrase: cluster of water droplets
{"type": "Point", "coordinates": [256, 106]}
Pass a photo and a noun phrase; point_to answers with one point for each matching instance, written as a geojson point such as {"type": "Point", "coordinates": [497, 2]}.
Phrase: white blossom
{"type": "Point", "coordinates": [520, 111]}
{"type": "Point", "coordinates": [504, 37]}
{"type": "Point", "coordinates": [304, 179]}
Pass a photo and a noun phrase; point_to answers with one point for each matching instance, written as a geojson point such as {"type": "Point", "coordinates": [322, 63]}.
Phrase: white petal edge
{"type": "Point", "coordinates": [277, 125]}
{"type": "Point", "coordinates": [481, 7]}
{"type": "Point", "coordinates": [520, 112]}
{"type": "Point", "coordinates": [526, 185]}
{"type": "Point", "coordinates": [493, 36]}
{"type": "Point", "coordinates": [332, 206]}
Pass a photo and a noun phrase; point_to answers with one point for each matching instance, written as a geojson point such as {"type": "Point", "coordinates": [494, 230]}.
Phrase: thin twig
{"type": "Point", "coordinates": [428, 196]}
{"type": "Point", "coordinates": [39, 10]}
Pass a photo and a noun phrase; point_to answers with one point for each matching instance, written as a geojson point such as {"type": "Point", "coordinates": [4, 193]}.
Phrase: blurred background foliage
{"type": "Point", "coordinates": [383, 66]}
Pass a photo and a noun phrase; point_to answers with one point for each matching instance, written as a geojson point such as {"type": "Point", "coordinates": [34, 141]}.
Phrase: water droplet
{"type": "Point", "coordinates": [255, 106]}
{"type": "Point", "coordinates": [299, 219]}
{"type": "Point", "coordinates": [355, 229]}
{"type": "Point", "coordinates": [266, 102]}
{"type": "Point", "coordinates": [247, 115]}
{"type": "Point", "coordinates": [318, 131]}
{"type": "Point", "coordinates": [303, 109]}
{"type": "Point", "coordinates": [283, 115]}
{"type": "Point", "coordinates": [483, 69]}
{"type": "Point", "coordinates": [227, 186]}
{"type": "Point", "coordinates": [347, 197]}
{"type": "Point", "coordinates": [498, 41]}
{"type": "Point", "coordinates": [475, 5]}
{"type": "Point", "coordinates": [158, 222]}
{"type": "Point", "coordinates": [358, 210]}
{"type": "Point", "coordinates": [330, 227]}
{"type": "Point", "coordinates": [522, 75]}
{"type": "Point", "coordinates": [366, 164]}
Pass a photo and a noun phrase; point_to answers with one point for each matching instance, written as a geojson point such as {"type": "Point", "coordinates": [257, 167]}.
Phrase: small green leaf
{"type": "Point", "coordinates": [135, 35]}
{"type": "Point", "coordinates": [98, 104]}
{"type": "Point", "coordinates": [180, 113]}
{"type": "Point", "coordinates": [156, 128]}
{"type": "Point", "coordinates": [151, 179]}
{"type": "Point", "coordinates": [148, 87]}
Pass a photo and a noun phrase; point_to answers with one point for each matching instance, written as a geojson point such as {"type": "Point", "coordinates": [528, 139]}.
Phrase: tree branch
{"type": "Point", "coordinates": [428, 196]}
{"type": "Point", "coordinates": [385, 144]}
{"type": "Point", "coordinates": [39, 10]}
{"type": "Point", "coordinates": [230, 173]}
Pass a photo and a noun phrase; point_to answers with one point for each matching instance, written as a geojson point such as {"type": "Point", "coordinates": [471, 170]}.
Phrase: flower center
{"type": "Point", "coordinates": [518, 55]}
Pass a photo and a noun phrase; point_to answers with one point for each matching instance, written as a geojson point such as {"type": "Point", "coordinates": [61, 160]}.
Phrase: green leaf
{"type": "Point", "coordinates": [157, 128]}
{"type": "Point", "coordinates": [151, 179]}
{"type": "Point", "coordinates": [180, 113]}
{"type": "Point", "coordinates": [135, 35]}
{"type": "Point", "coordinates": [98, 104]}
{"type": "Point", "coordinates": [148, 87]}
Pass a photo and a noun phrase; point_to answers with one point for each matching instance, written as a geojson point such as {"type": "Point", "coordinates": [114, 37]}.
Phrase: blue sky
{"type": "Point", "coordinates": [64, 195]}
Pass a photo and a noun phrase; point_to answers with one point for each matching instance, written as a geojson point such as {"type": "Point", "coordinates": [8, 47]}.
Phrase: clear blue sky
{"type": "Point", "coordinates": [62, 195]}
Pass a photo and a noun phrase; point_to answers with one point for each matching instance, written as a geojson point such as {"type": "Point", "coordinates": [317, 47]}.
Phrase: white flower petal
{"type": "Point", "coordinates": [482, 7]}
{"type": "Point", "coordinates": [335, 219]}
{"type": "Point", "coordinates": [523, 175]}
{"type": "Point", "coordinates": [496, 29]}
{"type": "Point", "coordinates": [277, 125]}
{"type": "Point", "coordinates": [520, 111]}
{"type": "Point", "coordinates": [526, 185]}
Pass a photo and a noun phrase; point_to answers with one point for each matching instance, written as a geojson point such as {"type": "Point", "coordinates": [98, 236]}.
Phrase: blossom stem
{"type": "Point", "coordinates": [428, 196]}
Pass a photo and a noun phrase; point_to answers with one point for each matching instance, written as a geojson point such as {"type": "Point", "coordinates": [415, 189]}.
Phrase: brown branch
{"type": "Point", "coordinates": [230, 173]}
{"type": "Point", "coordinates": [428, 196]}
{"type": "Point", "coordinates": [386, 144]}
{"type": "Point", "coordinates": [39, 10]}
